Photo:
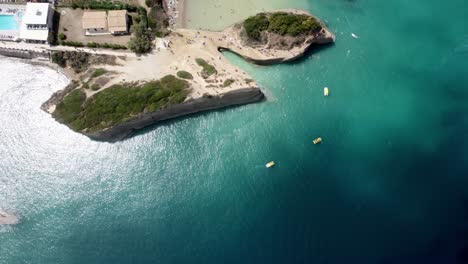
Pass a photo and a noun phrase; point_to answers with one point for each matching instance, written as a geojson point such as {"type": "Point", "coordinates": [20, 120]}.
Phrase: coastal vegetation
{"type": "Point", "coordinates": [141, 42]}
{"type": "Point", "coordinates": [95, 86]}
{"type": "Point", "coordinates": [69, 108]}
{"type": "Point", "coordinates": [78, 61]}
{"type": "Point", "coordinates": [185, 75]}
{"type": "Point", "coordinates": [208, 69]}
{"type": "Point", "coordinates": [158, 21]}
{"type": "Point", "coordinates": [255, 25]}
{"type": "Point", "coordinates": [281, 23]}
{"type": "Point", "coordinates": [103, 5]}
{"type": "Point", "coordinates": [228, 82]}
{"type": "Point", "coordinates": [98, 72]}
{"type": "Point", "coordinates": [119, 103]}
{"type": "Point", "coordinates": [92, 45]}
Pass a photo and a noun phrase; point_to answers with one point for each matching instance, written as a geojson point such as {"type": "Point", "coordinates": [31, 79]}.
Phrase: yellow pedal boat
{"type": "Point", "coordinates": [325, 91]}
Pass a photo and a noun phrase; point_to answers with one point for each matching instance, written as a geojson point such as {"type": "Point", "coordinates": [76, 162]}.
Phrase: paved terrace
{"type": "Point", "coordinates": [22, 46]}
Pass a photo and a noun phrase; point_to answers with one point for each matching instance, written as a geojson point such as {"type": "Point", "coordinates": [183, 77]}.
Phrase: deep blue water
{"type": "Point", "coordinates": [387, 186]}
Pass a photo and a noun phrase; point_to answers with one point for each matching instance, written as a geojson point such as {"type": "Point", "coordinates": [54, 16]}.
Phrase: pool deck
{"type": "Point", "coordinates": [11, 10]}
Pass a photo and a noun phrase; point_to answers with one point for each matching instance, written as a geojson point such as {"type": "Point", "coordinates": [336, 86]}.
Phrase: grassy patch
{"type": "Point", "coordinates": [208, 69]}
{"type": "Point", "coordinates": [228, 82]}
{"type": "Point", "coordinates": [120, 103]}
{"type": "Point", "coordinates": [185, 75]}
{"type": "Point", "coordinates": [98, 72]}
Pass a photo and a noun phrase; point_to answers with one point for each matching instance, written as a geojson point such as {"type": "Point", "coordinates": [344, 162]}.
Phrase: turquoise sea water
{"type": "Point", "coordinates": [387, 186]}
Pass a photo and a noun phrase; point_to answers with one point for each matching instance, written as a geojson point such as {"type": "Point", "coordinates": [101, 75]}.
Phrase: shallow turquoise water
{"type": "Point", "coordinates": [388, 185]}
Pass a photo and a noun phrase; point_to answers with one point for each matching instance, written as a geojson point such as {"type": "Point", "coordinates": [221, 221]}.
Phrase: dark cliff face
{"type": "Point", "coordinates": [127, 129]}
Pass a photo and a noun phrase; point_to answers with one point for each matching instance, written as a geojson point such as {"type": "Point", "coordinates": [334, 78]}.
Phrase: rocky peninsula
{"type": "Point", "coordinates": [111, 97]}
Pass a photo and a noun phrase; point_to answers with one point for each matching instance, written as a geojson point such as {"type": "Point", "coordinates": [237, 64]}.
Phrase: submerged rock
{"type": "Point", "coordinates": [8, 219]}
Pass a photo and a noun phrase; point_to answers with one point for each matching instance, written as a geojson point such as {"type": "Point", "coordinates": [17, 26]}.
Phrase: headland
{"type": "Point", "coordinates": [113, 94]}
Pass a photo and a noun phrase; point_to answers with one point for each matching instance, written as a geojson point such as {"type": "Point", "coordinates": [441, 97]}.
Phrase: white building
{"type": "Point", "coordinates": [37, 22]}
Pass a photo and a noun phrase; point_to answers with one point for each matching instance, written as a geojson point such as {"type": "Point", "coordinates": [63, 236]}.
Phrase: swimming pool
{"type": "Point", "coordinates": [8, 22]}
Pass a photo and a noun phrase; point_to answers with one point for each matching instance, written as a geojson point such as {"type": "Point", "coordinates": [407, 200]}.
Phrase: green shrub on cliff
{"type": "Point", "coordinates": [292, 24]}
{"type": "Point", "coordinates": [122, 102]}
{"type": "Point", "coordinates": [281, 23]}
{"type": "Point", "coordinates": [69, 109]}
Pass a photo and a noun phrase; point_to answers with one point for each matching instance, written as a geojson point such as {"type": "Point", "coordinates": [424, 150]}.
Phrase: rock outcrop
{"type": "Point", "coordinates": [8, 219]}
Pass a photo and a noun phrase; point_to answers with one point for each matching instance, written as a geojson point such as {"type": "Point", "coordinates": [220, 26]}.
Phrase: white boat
{"type": "Point", "coordinates": [270, 164]}
{"type": "Point", "coordinates": [354, 36]}
{"type": "Point", "coordinates": [325, 91]}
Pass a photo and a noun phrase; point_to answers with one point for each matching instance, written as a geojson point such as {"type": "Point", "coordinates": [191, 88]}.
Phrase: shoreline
{"type": "Point", "coordinates": [180, 51]}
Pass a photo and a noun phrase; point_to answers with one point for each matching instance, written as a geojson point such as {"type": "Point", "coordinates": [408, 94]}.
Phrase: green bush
{"type": "Point", "coordinates": [72, 43]}
{"type": "Point", "coordinates": [57, 57]}
{"type": "Point", "coordinates": [95, 87]}
{"type": "Point", "coordinates": [120, 103]}
{"type": "Point", "coordinates": [104, 5]}
{"type": "Point", "coordinates": [185, 75]}
{"type": "Point", "coordinates": [228, 82]}
{"type": "Point", "coordinates": [98, 72]}
{"type": "Point", "coordinates": [105, 46]}
{"type": "Point", "coordinates": [255, 25]}
{"type": "Point", "coordinates": [208, 69]}
{"type": "Point", "coordinates": [62, 36]}
{"type": "Point", "coordinates": [149, 3]}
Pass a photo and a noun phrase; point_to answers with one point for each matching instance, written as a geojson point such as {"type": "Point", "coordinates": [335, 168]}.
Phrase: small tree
{"type": "Point", "coordinates": [62, 36]}
{"type": "Point", "coordinates": [149, 3]}
{"type": "Point", "coordinates": [140, 42]}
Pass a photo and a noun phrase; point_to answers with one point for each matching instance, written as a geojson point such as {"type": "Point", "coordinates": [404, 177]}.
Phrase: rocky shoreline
{"type": "Point", "coordinates": [206, 95]}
